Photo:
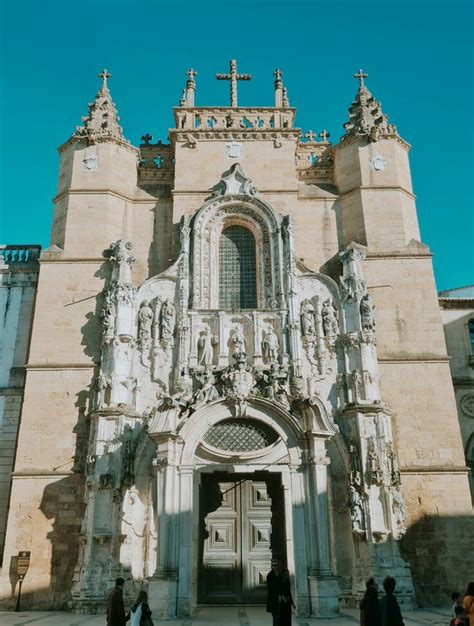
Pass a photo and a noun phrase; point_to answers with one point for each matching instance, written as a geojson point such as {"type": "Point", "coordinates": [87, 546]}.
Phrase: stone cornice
{"type": "Point", "coordinates": [178, 135]}
{"type": "Point", "coordinates": [378, 188]}
{"type": "Point", "coordinates": [456, 303]}
{"type": "Point", "coordinates": [111, 192]}
{"type": "Point", "coordinates": [435, 469]}
{"type": "Point", "coordinates": [419, 359]}
{"type": "Point", "coordinates": [60, 366]}
{"type": "Point", "coordinates": [122, 143]}
{"type": "Point", "coordinates": [345, 141]}
{"type": "Point", "coordinates": [41, 474]}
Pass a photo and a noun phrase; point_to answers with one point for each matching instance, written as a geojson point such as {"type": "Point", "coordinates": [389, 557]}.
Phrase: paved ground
{"type": "Point", "coordinates": [220, 616]}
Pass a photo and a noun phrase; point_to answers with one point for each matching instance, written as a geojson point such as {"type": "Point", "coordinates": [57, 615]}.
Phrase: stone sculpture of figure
{"type": "Point", "coordinates": [356, 474]}
{"type": "Point", "coordinates": [270, 345]}
{"type": "Point", "coordinates": [207, 391]}
{"type": "Point", "coordinates": [357, 511]}
{"type": "Point", "coordinates": [393, 465]}
{"type": "Point", "coordinates": [307, 319]}
{"type": "Point", "coordinates": [356, 381]}
{"type": "Point", "coordinates": [367, 313]}
{"type": "Point", "coordinates": [237, 339]}
{"type": "Point", "coordinates": [330, 323]}
{"type": "Point", "coordinates": [145, 320]}
{"type": "Point", "coordinates": [168, 320]}
{"type": "Point", "coordinates": [276, 385]}
{"type": "Point", "coordinates": [399, 511]}
{"type": "Point", "coordinates": [373, 463]}
{"type": "Point", "coordinates": [108, 314]}
{"type": "Point", "coordinates": [206, 343]}
{"type": "Point", "coordinates": [100, 384]}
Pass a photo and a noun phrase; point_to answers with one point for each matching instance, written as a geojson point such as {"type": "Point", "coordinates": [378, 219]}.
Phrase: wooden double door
{"type": "Point", "coordinates": [242, 528]}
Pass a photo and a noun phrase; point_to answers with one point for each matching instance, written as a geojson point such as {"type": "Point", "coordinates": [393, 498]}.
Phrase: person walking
{"type": "Point", "coordinates": [390, 614]}
{"type": "Point", "coordinates": [140, 612]}
{"type": "Point", "coordinates": [273, 592]}
{"type": "Point", "coordinates": [468, 603]}
{"type": "Point", "coordinates": [115, 607]}
{"type": "Point", "coordinates": [285, 599]}
{"type": "Point", "coordinates": [369, 605]}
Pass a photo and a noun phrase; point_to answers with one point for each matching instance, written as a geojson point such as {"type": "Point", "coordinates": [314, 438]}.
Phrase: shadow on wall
{"type": "Point", "coordinates": [440, 553]}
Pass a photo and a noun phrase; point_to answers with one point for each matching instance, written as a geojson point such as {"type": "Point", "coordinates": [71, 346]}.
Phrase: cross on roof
{"type": "Point", "coordinates": [147, 138]}
{"type": "Point", "coordinates": [104, 75]}
{"type": "Point", "coordinates": [310, 135]}
{"type": "Point", "coordinates": [191, 73]}
{"type": "Point", "coordinates": [360, 76]}
{"type": "Point", "coordinates": [324, 135]}
{"type": "Point", "coordinates": [233, 76]}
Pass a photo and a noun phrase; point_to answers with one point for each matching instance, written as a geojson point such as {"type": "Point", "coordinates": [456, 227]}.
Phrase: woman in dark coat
{"type": "Point", "coordinates": [286, 599]}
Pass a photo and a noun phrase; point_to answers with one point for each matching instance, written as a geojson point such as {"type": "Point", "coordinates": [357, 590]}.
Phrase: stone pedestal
{"type": "Point", "coordinates": [324, 593]}
{"type": "Point", "coordinates": [162, 597]}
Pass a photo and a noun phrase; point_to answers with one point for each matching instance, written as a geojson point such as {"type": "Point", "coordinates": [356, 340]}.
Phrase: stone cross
{"type": "Point", "coordinates": [360, 76]}
{"type": "Point", "coordinates": [310, 135]}
{"type": "Point", "coordinates": [277, 75]}
{"type": "Point", "coordinates": [233, 76]}
{"type": "Point", "coordinates": [104, 75]}
{"type": "Point", "coordinates": [324, 135]}
{"type": "Point", "coordinates": [191, 74]}
{"type": "Point", "coordinates": [147, 138]}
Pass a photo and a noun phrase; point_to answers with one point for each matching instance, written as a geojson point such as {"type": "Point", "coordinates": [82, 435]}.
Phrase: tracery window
{"type": "Point", "coordinates": [237, 269]}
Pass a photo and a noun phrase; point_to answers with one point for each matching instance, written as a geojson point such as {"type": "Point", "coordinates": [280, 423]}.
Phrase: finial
{"type": "Point", "coordinates": [233, 77]}
{"type": "Point", "coordinates": [310, 136]}
{"type": "Point", "coordinates": [360, 76]}
{"type": "Point", "coordinates": [104, 75]}
{"type": "Point", "coordinates": [324, 135]}
{"type": "Point", "coordinates": [191, 74]}
{"type": "Point", "coordinates": [285, 101]}
{"type": "Point", "coordinates": [146, 138]}
{"type": "Point", "coordinates": [182, 100]}
{"type": "Point", "coordinates": [277, 74]}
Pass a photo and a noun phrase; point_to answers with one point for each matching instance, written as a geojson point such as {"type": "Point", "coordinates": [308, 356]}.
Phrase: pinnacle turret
{"type": "Point", "coordinates": [365, 115]}
{"type": "Point", "coordinates": [102, 122]}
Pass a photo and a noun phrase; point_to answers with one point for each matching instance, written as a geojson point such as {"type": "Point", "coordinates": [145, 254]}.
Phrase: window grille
{"type": "Point", "coordinates": [237, 269]}
{"type": "Point", "coordinates": [235, 435]}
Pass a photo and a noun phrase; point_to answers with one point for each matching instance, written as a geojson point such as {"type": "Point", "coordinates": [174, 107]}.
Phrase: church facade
{"type": "Point", "coordinates": [237, 354]}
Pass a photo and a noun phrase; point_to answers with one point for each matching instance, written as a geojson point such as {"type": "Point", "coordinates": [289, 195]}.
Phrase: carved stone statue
{"type": "Point", "coordinates": [393, 465]}
{"type": "Point", "coordinates": [108, 314]}
{"type": "Point", "coordinates": [206, 343]}
{"type": "Point", "coordinates": [308, 322]}
{"type": "Point", "coordinates": [100, 384]}
{"type": "Point", "coordinates": [145, 321]}
{"type": "Point", "coordinates": [356, 381]}
{"type": "Point", "coordinates": [119, 254]}
{"type": "Point", "coordinates": [237, 339]}
{"type": "Point", "coordinates": [168, 320]}
{"type": "Point", "coordinates": [207, 391]}
{"type": "Point", "coordinates": [399, 512]}
{"type": "Point", "coordinates": [276, 386]}
{"type": "Point", "coordinates": [356, 473]}
{"type": "Point", "coordinates": [270, 345]}
{"type": "Point", "coordinates": [357, 511]}
{"type": "Point", "coordinates": [373, 463]}
{"type": "Point", "coordinates": [367, 313]}
{"type": "Point", "coordinates": [330, 323]}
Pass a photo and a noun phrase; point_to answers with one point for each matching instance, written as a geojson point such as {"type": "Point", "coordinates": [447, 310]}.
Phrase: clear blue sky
{"type": "Point", "coordinates": [419, 57]}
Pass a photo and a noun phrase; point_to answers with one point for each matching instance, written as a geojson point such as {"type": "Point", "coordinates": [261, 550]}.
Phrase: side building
{"type": "Point", "coordinates": [457, 313]}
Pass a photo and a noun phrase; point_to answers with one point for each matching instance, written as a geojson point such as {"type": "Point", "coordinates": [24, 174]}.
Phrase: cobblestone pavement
{"type": "Point", "coordinates": [220, 616]}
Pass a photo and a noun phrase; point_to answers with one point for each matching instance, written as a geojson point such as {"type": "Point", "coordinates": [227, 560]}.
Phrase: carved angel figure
{"type": "Point", "coordinates": [207, 391]}
{"type": "Point", "coordinates": [108, 314]}
{"type": "Point", "coordinates": [307, 319]}
{"type": "Point", "coordinates": [367, 313]}
{"type": "Point", "coordinates": [206, 343]}
{"type": "Point", "coordinates": [237, 339]}
{"type": "Point", "coordinates": [270, 345]}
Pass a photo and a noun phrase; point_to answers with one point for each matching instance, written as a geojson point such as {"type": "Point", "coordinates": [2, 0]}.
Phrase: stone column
{"type": "Point", "coordinates": [185, 559]}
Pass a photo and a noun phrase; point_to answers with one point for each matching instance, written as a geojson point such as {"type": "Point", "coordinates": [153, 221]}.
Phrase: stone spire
{"type": "Point", "coordinates": [102, 123]}
{"type": "Point", "coordinates": [366, 118]}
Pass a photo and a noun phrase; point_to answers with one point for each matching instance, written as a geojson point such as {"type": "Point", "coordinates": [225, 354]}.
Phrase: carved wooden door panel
{"type": "Point", "coordinates": [235, 538]}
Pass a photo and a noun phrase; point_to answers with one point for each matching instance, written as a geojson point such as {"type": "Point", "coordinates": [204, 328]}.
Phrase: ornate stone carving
{"type": "Point", "coordinates": [467, 404]}
{"type": "Point", "coordinates": [330, 323]}
{"type": "Point", "coordinates": [100, 385]}
{"type": "Point", "coordinates": [308, 323]}
{"type": "Point", "coordinates": [374, 469]}
{"type": "Point", "coordinates": [393, 469]}
{"type": "Point", "coordinates": [367, 313]}
{"type": "Point", "coordinates": [355, 380]}
{"type": "Point", "coordinates": [108, 314]}
{"type": "Point", "coordinates": [355, 476]}
{"type": "Point", "coordinates": [167, 323]}
{"type": "Point", "coordinates": [356, 508]}
{"type": "Point", "coordinates": [234, 182]}
{"type": "Point", "coordinates": [239, 380]}
{"type": "Point", "coordinates": [145, 321]}
{"type": "Point", "coordinates": [237, 340]}
{"type": "Point", "coordinates": [207, 391]}
{"type": "Point", "coordinates": [275, 384]}
{"type": "Point", "coordinates": [206, 343]}
{"type": "Point", "coordinates": [270, 345]}
{"type": "Point", "coordinates": [399, 513]}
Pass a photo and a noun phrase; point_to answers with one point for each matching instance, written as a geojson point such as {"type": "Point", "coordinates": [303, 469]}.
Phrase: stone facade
{"type": "Point", "coordinates": [237, 352]}
{"type": "Point", "coordinates": [18, 280]}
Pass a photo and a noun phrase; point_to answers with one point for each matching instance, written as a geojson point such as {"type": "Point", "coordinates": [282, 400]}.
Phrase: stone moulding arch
{"type": "Point", "coordinates": [207, 225]}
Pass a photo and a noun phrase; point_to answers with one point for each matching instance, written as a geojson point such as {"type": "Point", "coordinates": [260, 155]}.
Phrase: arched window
{"type": "Point", "coordinates": [237, 269]}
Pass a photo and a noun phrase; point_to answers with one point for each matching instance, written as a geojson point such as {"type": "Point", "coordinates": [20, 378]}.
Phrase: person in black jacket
{"type": "Point", "coordinates": [285, 599]}
{"type": "Point", "coordinates": [390, 614]}
{"type": "Point", "coordinates": [115, 607]}
{"type": "Point", "coordinates": [273, 592]}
